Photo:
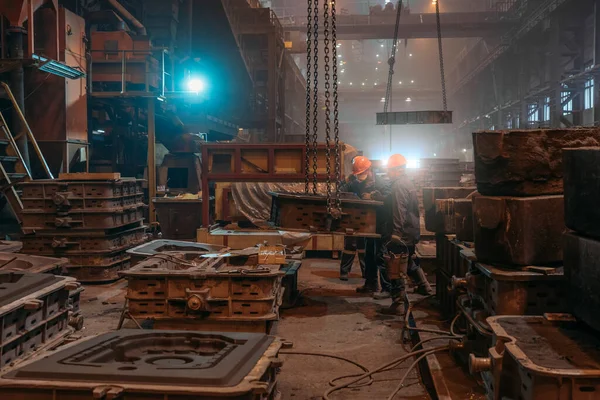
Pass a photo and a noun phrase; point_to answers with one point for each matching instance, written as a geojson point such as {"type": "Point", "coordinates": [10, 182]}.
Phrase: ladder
{"type": "Point", "coordinates": [13, 168]}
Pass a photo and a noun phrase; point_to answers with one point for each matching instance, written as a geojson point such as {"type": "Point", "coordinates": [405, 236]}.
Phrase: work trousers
{"type": "Point", "coordinates": [353, 245]}
{"type": "Point", "coordinates": [395, 286]}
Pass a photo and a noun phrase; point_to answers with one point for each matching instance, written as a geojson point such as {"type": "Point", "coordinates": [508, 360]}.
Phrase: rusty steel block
{"type": "Point", "coordinates": [145, 250]}
{"type": "Point", "coordinates": [582, 192]}
{"type": "Point", "coordinates": [526, 291]}
{"type": "Point", "coordinates": [34, 312]}
{"type": "Point", "coordinates": [434, 219]}
{"type": "Point", "coordinates": [32, 264]}
{"type": "Point", "coordinates": [539, 358]}
{"type": "Point", "coordinates": [140, 364]}
{"type": "Point", "coordinates": [174, 286]}
{"type": "Point", "coordinates": [527, 162]}
{"type": "Point", "coordinates": [582, 270]}
{"type": "Point", "coordinates": [518, 230]}
{"type": "Point", "coordinates": [463, 219]}
{"type": "Point", "coordinates": [307, 212]}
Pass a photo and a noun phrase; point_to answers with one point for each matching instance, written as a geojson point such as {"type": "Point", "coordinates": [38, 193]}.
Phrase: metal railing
{"type": "Point", "coordinates": [131, 72]}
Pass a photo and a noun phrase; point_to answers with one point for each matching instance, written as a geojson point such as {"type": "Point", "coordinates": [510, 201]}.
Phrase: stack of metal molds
{"type": "Point", "coordinates": [36, 312]}
{"type": "Point", "coordinates": [148, 365]}
{"type": "Point", "coordinates": [226, 291]}
{"type": "Point", "coordinates": [91, 219]}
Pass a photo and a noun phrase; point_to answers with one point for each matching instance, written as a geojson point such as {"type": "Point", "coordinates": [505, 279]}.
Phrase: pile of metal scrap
{"type": "Point", "coordinates": [225, 291]}
{"type": "Point", "coordinates": [36, 311]}
{"type": "Point", "coordinates": [91, 219]}
{"type": "Point", "coordinates": [153, 364]}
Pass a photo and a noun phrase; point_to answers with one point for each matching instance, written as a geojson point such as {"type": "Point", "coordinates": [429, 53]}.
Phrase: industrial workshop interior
{"type": "Point", "coordinates": [299, 199]}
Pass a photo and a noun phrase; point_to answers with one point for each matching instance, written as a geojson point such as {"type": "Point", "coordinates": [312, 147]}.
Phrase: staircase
{"type": "Point", "coordinates": [13, 168]}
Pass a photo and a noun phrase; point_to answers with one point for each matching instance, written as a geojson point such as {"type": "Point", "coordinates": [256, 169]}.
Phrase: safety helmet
{"type": "Point", "coordinates": [360, 165]}
{"type": "Point", "coordinates": [396, 160]}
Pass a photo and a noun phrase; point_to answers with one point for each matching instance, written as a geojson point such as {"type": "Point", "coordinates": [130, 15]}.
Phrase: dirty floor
{"type": "Point", "coordinates": [330, 318]}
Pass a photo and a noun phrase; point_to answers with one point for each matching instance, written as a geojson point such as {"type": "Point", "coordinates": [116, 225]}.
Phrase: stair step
{"type": "Point", "coordinates": [8, 158]}
{"type": "Point", "coordinates": [16, 175]}
{"type": "Point", "coordinates": [3, 142]}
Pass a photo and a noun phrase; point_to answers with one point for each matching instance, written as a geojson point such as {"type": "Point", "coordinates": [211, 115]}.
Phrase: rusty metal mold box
{"type": "Point", "coordinates": [179, 218]}
{"type": "Point", "coordinates": [68, 191]}
{"type": "Point", "coordinates": [34, 220]}
{"type": "Point", "coordinates": [98, 273]}
{"type": "Point", "coordinates": [9, 246]}
{"type": "Point", "coordinates": [307, 212]}
{"type": "Point", "coordinates": [540, 358]}
{"type": "Point", "coordinates": [31, 264]}
{"type": "Point", "coordinates": [34, 311]}
{"type": "Point", "coordinates": [434, 220]}
{"type": "Point", "coordinates": [528, 291]}
{"type": "Point", "coordinates": [175, 285]}
{"type": "Point", "coordinates": [145, 250]}
{"type": "Point", "coordinates": [450, 251]}
{"type": "Point", "coordinates": [152, 365]}
{"type": "Point", "coordinates": [443, 293]}
{"type": "Point", "coordinates": [463, 219]}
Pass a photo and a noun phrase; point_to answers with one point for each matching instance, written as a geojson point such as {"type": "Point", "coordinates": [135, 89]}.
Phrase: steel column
{"type": "Point", "coordinates": [151, 158]}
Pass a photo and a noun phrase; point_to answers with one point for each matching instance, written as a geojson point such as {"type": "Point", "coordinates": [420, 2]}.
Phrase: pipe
{"type": "Point", "coordinates": [139, 27]}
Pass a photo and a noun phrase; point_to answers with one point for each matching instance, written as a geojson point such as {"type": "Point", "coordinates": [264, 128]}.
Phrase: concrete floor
{"type": "Point", "coordinates": [331, 318]}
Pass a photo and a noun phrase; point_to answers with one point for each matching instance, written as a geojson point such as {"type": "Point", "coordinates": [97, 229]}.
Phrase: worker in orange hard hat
{"type": "Point", "coordinates": [362, 182]}
{"type": "Point", "coordinates": [400, 233]}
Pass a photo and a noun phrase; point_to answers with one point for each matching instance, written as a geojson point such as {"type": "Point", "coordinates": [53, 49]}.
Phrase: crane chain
{"type": "Point", "coordinates": [308, 96]}
{"type": "Point", "coordinates": [327, 60]}
{"type": "Point", "coordinates": [391, 63]}
{"type": "Point", "coordinates": [439, 34]}
{"type": "Point", "coordinates": [315, 136]}
{"type": "Point", "coordinates": [336, 121]}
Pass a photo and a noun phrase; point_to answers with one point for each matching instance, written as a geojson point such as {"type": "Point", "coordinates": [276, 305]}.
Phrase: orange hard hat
{"type": "Point", "coordinates": [396, 160]}
{"type": "Point", "coordinates": [360, 165]}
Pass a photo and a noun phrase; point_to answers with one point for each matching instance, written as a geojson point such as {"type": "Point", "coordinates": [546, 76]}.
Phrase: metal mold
{"type": "Point", "coordinates": [152, 364]}
{"type": "Point", "coordinates": [172, 286]}
{"type": "Point", "coordinates": [34, 312]}
{"type": "Point", "coordinates": [450, 254]}
{"type": "Point", "coordinates": [61, 192]}
{"type": "Point", "coordinates": [32, 264]}
{"type": "Point", "coordinates": [444, 293]}
{"type": "Point", "coordinates": [434, 220]}
{"type": "Point", "coordinates": [106, 219]}
{"type": "Point", "coordinates": [306, 212]}
{"type": "Point", "coordinates": [98, 273]}
{"type": "Point", "coordinates": [541, 357]}
{"type": "Point", "coordinates": [179, 218]}
{"type": "Point", "coordinates": [142, 251]}
{"type": "Point", "coordinates": [7, 246]}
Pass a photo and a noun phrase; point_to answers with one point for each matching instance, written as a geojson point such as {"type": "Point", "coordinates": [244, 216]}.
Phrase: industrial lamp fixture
{"type": "Point", "coordinates": [57, 68]}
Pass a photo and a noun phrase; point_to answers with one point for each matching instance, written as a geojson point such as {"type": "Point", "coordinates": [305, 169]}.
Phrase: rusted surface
{"type": "Point", "coordinates": [64, 192]}
{"type": "Point", "coordinates": [7, 246]}
{"type": "Point", "coordinates": [32, 264]}
{"type": "Point", "coordinates": [444, 293]}
{"type": "Point", "coordinates": [538, 358]}
{"type": "Point", "coordinates": [582, 192]}
{"type": "Point", "coordinates": [449, 255]}
{"type": "Point", "coordinates": [34, 311]}
{"type": "Point", "coordinates": [152, 364]}
{"type": "Point", "coordinates": [463, 219]}
{"type": "Point", "coordinates": [179, 218]}
{"type": "Point", "coordinates": [434, 219]}
{"type": "Point", "coordinates": [307, 212]}
{"type": "Point", "coordinates": [519, 230]}
{"type": "Point", "coordinates": [142, 251]}
{"type": "Point", "coordinates": [582, 270]}
{"type": "Point", "coordinates": [527, 162]}
{"type": "Point", "coordinates": [176, 285]}
{"type": "Point", "coordinates": [98, 273]}
{"type": "Point", "coordinates": [80, 220]}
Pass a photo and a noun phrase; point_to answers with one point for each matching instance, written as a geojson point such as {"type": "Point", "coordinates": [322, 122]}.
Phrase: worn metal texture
{"type": "Point", "coordinates": [7, 246]}
{"type": "Point", "coordinates": [34, 312]}
{"type": "Point", "coordinates": [525, 162]}
{"type": "Point", "coordinates": [32, 264]}
{"type": "Point", "coordinates": [149, 365]}
{"type": "Point", "coordinates": [477, 334]}
{"type": "Point", "coordinates": [527, 291]}
{"type": "Point", "coordinates": [434, 220]}
{"type": "Point", "coordinates": [68, 202]}
{"type": "Point", "coordinates": [145, 250]}
{"type": "Point", "coordinates": [98, 273]}
{"type": "Point", "coordinates": [539, 358]}
{"type": "Point", "coordinates": [444, 212]}
{"type": "Point", "coordinates": [582, 192]}
{"type": "Point", "coordinates": [308, 212]}
{"type": "Point", "coordinates": [452, 260]}
{"type": "Point", "coordinates": [63, 192]}
{"type": "Point", "coordinates": [179, 218]}
{"type": "Point", "coordinates": [519, 230]}
{"type": "Point", "coordinates": [463, 219]}
{"type": "Point", "coordinates": [444, 293]}
{"type": "Point", "coordinates": [582, 270]}
{"type": "Point", "coordinates": [175, 285]}
{"type": "Point", "coordinates": [81, 220]}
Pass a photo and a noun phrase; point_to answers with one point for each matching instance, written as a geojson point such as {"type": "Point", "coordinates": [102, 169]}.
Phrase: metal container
{"type": "Point", "coordinates": [149, 365]}
{"type": "Point", "coordinates": [36, 220]}
{"type": "Point", "coordinates": [444, 293]}
{"type": "Point", "coordinates": [145, 250]}
{"type": "Point", "coordinates": [31, 264]}
{"type": "Point", "coordinates": [452, 261]}
{"type": "Point", "coordinates": [198, 288]}
{"type": "Point", "coordinates": [307, 212]}
{"type": "Point", "coordinates": [63, 192]}
{"type": "Point", "coordinates": [34, 313]}
{"type": "Point", "coordinates": [98, 273]}
{"type": "Point", "coordinates": [434, 221]}
{"type": "Point", "coordinates": [179, 218]}
{"type": "Point", "coordinates": [463, 219]}
{"type": "Point", "coordinates": [540, 358]}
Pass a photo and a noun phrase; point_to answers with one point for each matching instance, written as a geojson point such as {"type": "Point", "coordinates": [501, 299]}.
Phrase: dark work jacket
{"type": "Point", "coordinates": [372, 184]}
{"type": "Point", "coordinates": [402, 212]}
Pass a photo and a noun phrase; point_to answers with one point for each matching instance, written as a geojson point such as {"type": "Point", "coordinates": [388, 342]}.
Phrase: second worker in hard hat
{"type": "Point", "coordinates": [402, 228]}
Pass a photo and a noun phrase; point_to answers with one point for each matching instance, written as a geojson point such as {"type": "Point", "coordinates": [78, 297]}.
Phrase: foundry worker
{"type": "Point", "coordinates": [401, 232]}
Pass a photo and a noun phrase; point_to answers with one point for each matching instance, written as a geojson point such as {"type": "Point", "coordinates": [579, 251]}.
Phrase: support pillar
{"type": "Point", "coordinates": [554, 61]}
{"type": "Point", "coordinates": [272, 84]}
{"type": "Point", "coordinates": [596, 59]}
{"type": "Point", "coordinates": [151, 159]}
{"type": "Point", "coordinates": [17, 86]}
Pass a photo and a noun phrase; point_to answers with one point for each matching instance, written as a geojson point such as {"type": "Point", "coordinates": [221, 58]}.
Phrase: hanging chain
{"type": "Point", "coordinates": [336, 120]}
{"type": "Point", "coordinates": [391, 63]}
{"type": "Point", "coordinates": [326, 50]}
{"type": "Point", "coordinates": [315, 91]}
{"type": "Point", "coordinates": [308, 97]}
{"type": "Point", "coordinates": [439, 33]}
